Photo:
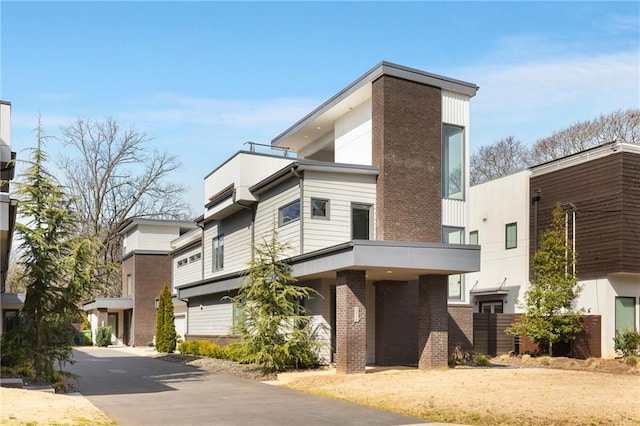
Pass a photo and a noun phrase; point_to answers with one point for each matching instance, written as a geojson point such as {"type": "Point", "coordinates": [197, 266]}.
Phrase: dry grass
{"type": "Point", "coordinates": [26, 407]}
{"type": "Point", "coordinates": [508, 396]}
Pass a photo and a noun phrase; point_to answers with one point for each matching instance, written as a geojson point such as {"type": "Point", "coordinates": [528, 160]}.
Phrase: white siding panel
{"type": "Point", "coordinates": [455, 109]}
{"type": "Point", "coordinates": [454, 213]}
{"type": "Point", "coordinates": [210, 232]}
{"type": "Point", "coordinates": [237, 241]}
{"type": "Point", "coordinates": [210, 317]}
{"type": "Point", "coordinates": [153, 237]}
{"type": "Point", "coordinates": [318, 308]}
{"type": "Point", "coordinates": [267, 216]}
{"type": "Point", "coordinates": [353, 137]}
{"type": "Point", "coordinates": [341, 190]}
{"type": "Point", "coordinates": [190, 272]}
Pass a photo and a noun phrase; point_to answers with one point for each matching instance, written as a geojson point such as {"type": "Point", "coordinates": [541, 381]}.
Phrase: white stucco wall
{"type": "Point", "coordinates": [494, 205]}
{"type": "Point", "coordinates": [353, 138]}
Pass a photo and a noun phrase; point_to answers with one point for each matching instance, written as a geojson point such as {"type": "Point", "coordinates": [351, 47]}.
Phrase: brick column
{"type": "Point", "coordinates": [351, 322]}
{"type": "Point", "coordinates": [433, 320]}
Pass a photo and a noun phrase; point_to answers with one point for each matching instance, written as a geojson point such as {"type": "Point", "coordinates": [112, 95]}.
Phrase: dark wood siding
{"type": "Point", "coordinates": [606, 194]}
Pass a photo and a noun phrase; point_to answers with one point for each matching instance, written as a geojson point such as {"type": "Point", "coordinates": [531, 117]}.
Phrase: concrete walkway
{"type": "Point", "coordinates": [133, 388]}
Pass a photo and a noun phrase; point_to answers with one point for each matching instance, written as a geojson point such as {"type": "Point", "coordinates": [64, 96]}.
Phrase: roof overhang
{"type": "Point", "coordinates": [320, 119]}
{"type": "Point", "coordinates": [114, 303]}
{"type": "Point", "coordinates": [12, 300]}
{"type": "Point", "coordinates": [381, 261]}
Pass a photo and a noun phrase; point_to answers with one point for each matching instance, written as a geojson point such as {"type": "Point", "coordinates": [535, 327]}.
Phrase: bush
{"type": "Point", "coordinates": [545, 360]}
{"type": "Point", "coordinates": [103, 336]}
{"type": "Point", "coordinates": [458, 357]}
{"type": "Point", "coordinates": [481, 359]}
{"type": "Point", "coordinates": [627, 342]}
{"type": "Point", "coordinates": [631, 361]}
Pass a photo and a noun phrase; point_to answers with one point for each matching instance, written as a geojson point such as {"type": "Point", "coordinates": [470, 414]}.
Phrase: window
{"type": "Point", "coordinates": [218, 253]}
{"type": "Point", "coordinates": [454, 235]}
{"type": "Point", "coordinates": [625, 313]}
{"type": "Point", "coordinates": [473, 238]}
{"type": "Point", "coordinates": [511, 235]}
{"type": "Point", "coordinates": [289, 213]}
{"type": "Point", "coordinates": [360, 221]}
{"type": "Point", "coordinates": [319, 208]}
{"type": "Point", "coordinates": [195, 257]}
{"type": "Point", "coordinates": [452, 162]}
{"type": "Point", "coordinates": [182, 262]}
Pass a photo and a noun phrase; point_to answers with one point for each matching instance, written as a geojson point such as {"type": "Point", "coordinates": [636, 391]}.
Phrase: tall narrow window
{"type": "Point", "coordinates": [360, 221]}
{"type": "Point", "coordinates": [452, 162]}
{"type": "Point", "coordinates": [218, 253]}
{"type": "Point", "coordinates": [129, 285]}
{"type": "Point", "coordinates": [625, 313]}
{"type": "Point", "coordinates": [511, 235]}
{"type": "Point", "coordinates": [454, 235]}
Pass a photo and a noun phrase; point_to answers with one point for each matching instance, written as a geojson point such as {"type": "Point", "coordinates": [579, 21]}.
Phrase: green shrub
{"type": "Point", "coordinates": [627, 342]}
{"type": "Point", "coordinates": [481, 359]}
{"type": "Point", "coordinates": [103, 336]}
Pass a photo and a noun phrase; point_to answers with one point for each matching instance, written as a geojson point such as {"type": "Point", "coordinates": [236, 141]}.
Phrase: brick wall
{"type": "Point", "coordinates": [151, 273]}
{"type": "Point", "coordinates": [460, 327]}
{"type": "Point", "coordinates": [396, 323]}
{"type": "Point", "coordinates": [433, 321]}
{"type": "Point", "coordinates": [407, 128]}
{"type": "Point", "coordinates": [351, 330]}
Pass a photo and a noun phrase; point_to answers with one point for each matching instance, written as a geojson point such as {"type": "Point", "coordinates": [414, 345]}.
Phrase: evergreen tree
{"type": "Point", "coordinates": [550, 316]}
{"type": "Point", "coordinates": [165, 327]}
{"type": "Point", "coordinates": [55, 268]}
{"type": "Point", "coordinates": [274, 330]}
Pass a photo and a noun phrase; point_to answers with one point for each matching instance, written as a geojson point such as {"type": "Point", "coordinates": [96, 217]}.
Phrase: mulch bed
{"type": "Point", "coordinates": [214, 365]}
{"type": "Point", "coordinates": [610, 366]}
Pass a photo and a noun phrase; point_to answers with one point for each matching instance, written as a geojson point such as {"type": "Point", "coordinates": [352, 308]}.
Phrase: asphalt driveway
{"type": "Point", "coordinates": [139, 390]}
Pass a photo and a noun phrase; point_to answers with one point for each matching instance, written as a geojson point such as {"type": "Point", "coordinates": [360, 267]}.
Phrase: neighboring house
{"type": "Point", "coordinates": [375, 209]}
{"type": "Point", "coordinates": [146, 269]}
{"type": "Point", "coordinates": [600, 192]}
{"type": "Point", "coordinates": [10, 303]}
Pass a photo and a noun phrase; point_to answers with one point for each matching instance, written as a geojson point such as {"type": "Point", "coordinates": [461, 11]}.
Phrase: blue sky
{"type": "Point", "coordinates": [201, 78]}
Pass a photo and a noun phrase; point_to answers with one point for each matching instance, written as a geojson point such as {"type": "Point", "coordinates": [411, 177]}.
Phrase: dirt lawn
{"type": "Point", "coordinates": [519, 395]}
{"type": "Point", "coordinates": [508, 396]}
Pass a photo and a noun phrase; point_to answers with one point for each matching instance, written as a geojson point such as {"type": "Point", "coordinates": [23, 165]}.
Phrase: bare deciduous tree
{"type": "Point", "coordinates": [501, 158]}
{"type": "Point", "coordinates": [114, 175]}
{"type": "Point", "coordinates": [621, 126]}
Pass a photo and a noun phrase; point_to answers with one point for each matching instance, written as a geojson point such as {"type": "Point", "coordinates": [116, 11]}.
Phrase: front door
{"type": "Point", "coordinates": [112, 321]}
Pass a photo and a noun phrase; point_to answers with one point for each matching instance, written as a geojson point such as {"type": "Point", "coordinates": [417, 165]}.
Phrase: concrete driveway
{"type": "Point", "coordinates": [138, 390]}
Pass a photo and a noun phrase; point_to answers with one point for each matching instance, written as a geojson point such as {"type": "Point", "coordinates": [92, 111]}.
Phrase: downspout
{"type": "Point", "coordinates": [301, 186]}
{"type": "Point", "coordinates": [535, 199]}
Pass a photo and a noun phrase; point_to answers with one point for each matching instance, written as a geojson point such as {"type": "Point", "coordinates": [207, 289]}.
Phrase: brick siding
{"type": "Point", "coordinates": [433, 321]}
{"type": "Point", "coordinates": [351, 336]}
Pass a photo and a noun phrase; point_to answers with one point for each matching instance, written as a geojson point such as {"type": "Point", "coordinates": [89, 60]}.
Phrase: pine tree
{"type": "Point", "coordinates": [550, 316]}
{"type": "Point", "coordinates": [274, 330]}
{"type": "Point", "coordinates": [56, 268]}
{"type": "Point", "coordinates": [165, 327]}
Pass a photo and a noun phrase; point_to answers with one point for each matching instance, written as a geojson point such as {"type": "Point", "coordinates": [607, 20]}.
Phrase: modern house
{"type": "Point", "coordinates": [599, 190]}
{"type": "Point", "coordinates": [374, 207]}
{"type": "Point", "coordinates": [10, 303]}
{"type": "Point", "coordinates": [146, 269]}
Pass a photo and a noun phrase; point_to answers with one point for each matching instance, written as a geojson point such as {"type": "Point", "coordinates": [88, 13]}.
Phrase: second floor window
{"type": "Point", "coordinates": [360, 221]}
{"type": "Point", "coordinates": [218, 253]}
{"type": "Point", "coordinates": [511, 235]}
{"type": "Point", "coordinates": [453, 162]}
{"type": "Point", "coordinates": [473, 238]}
{"type": "Point", "coordinates": [289, 213]}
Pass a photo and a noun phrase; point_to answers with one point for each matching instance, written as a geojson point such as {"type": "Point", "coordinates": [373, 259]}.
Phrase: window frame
{"type": "Point", "coordinates": [615, 314]}
{"type": "Point", "coordinates": [454, 279]}
{"type": "Point", "coordinates": [445, 172]}
{"type": "Point", "coordinates": [281, 216]}
{"type": "Point", "coordinates": [363, 207]}
{"type": "Point", "coordinates": [217, 253]}
{"type": "Point", "coordinates": [326, 208]}
{"type": "Point", "coordinates": [506, 236]}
